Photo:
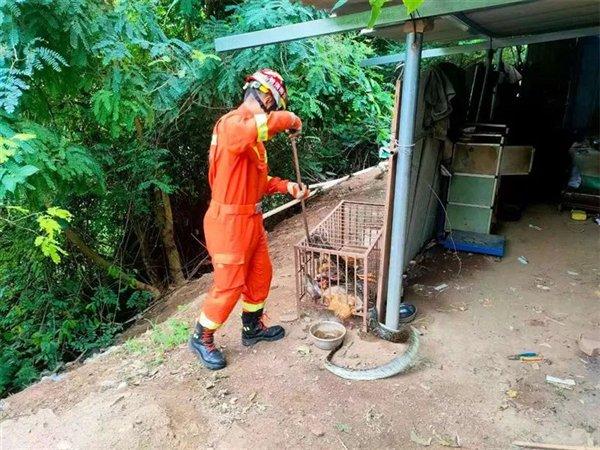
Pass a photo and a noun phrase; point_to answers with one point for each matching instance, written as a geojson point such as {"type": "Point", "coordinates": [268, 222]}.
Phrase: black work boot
{"type": "Point", "coordinates": [202, 345]}
{"type": "Point", "coordinates": [254, 330]}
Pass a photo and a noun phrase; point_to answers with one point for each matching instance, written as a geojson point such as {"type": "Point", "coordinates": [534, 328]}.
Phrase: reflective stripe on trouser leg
{"type": "Point", "coordinates": [207, 323]}
{"type": "Point", "coordinates": [252, 307]}
{"type": "Point", "coordinates": [218, 305]}
{"type": "Point", "coordinates": [258, 277]}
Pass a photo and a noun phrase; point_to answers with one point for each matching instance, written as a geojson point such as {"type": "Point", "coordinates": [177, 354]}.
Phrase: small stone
{"type": "Point", "coordinates": [143, 372]}
{"type": "Point", "coordinates": [290, 316]}
{"type": "Point", "coordinates": [209, 384]}
{"type": "Point", "coordinates": [219, 376]}
{"type": "Point", "coordinates": [122, 385]}
{"type": "Point", "coordinates": [589, 345]}
{"type": "Point", "coordinates": [317, 431]}
{"type": "Point", "coordinates": [233, 400]}
{"type": "Point", "coordinates": [108, 384]}
{"type": "Point", "coordinates": [3, 405]}
{"type": "Point", "coordinates": [223, 392]}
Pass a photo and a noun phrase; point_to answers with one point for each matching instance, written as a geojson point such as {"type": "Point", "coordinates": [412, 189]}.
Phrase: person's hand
{"type": "Point", "coordinates": [297, 191]}
{"type": "Point", "coordinates": [296, 129]}
{"type": "Point", "coordinates": [294, 134]}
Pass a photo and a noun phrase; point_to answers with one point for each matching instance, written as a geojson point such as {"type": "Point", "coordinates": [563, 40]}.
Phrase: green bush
{"type": "Point", "coordinates": [102, 107]}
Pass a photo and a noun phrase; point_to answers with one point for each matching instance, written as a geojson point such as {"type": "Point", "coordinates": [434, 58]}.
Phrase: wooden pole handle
{"type": "Point", "coordinates": [299, 181]}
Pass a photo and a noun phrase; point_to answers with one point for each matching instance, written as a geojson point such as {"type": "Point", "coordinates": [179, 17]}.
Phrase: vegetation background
{"type": "Point", "coordinates": [106, 113]}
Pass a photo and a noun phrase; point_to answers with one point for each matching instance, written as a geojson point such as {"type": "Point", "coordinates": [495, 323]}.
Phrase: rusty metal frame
{"type": "Point", "coordinates": [347, 240]}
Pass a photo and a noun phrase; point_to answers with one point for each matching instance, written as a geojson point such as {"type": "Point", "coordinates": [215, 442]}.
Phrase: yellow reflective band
{"type": "Point", "coordinates": [252, 307]}
{"type": "Point", "coordinates": [213, 140]}
{"type": "Point", "coordinates": [264, 89]}
{"type": "Point", "coordinates": [255, 148]}
{"type": "Point", "coordinates": [207, 323]}
{"type": "Point", "coordinates": [261, 127]}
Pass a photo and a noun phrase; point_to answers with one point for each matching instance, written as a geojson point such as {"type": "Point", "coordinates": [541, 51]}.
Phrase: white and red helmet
{"type": "Point", "coordinates": [269, 81]}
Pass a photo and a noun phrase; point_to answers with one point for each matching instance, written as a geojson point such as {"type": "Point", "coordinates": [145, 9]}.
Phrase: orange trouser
{"type": "Point", "coordinates": [237, 243]}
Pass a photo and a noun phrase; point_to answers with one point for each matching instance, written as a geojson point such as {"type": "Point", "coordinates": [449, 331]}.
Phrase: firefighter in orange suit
{"type": "Point", "coordinates": [233, 225]}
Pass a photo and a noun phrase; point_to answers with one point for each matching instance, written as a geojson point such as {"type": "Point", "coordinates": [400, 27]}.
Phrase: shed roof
{"type": "Point", "coordinates": [454, 20]}
{"type": "Point", "coordinates": [533, 17]}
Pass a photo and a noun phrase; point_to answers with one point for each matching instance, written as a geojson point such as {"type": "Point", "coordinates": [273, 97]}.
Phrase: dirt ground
{"type": "Point", "coordinates": [462, 390]}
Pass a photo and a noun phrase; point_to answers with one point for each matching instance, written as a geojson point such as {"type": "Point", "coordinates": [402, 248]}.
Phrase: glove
{"type": "Point", "coordinates": [296, 128]}
{"type": "Point", "coordinates": [296, 191]}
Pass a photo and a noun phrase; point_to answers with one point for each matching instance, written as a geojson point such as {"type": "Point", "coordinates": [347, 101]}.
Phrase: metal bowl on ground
{"type": "Point", "coordinates": [327, 334]}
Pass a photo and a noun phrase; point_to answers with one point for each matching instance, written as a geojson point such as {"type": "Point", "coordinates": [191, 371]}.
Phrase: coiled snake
{"type": "Point", "coordinates": [394, 367]}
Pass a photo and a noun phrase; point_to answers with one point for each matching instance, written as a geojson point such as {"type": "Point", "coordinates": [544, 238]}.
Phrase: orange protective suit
{"type": "Point", "coordinates": [233, 225]}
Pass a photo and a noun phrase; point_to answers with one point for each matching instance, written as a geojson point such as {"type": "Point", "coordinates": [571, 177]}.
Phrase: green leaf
{"type": "Point", "coordinates": [376, 6]}
{"type": "Point", "coordinates": [343, 427]}
{"type": "Point", "coordinates": [339, 4]}
{"type": "Point", "coordinates": [17, 208]}
{"type": "Point", "coordinates": [10, 182]}
{"type": "Point", "coordinates": [25, 171]}
{"type": "Point", "coordinates": [24, 136]}
{"type": "Point", "coordinates": [412, 5]}
{"type": "Point", "coordinates": [60, 213]}
{"type": "Point", "coordinates": [48, 225]}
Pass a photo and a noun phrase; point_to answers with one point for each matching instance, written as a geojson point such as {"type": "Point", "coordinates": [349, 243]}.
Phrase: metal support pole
{"type": "Point", "coordinates": [495, 90]}
{"type": "Point", "coordinates": [488, 66]}
{"type": "Point", "coordinates": [406, 131]}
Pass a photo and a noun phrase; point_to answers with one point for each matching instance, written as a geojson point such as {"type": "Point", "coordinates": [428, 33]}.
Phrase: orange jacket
{"type": "Point", "coordinates": [238, 162]}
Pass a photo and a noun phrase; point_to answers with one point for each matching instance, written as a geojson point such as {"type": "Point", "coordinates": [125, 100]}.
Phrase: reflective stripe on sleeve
{"type": "Point", "coordinates": [213, 140]}
{"type": "Point", "coordinates": [261, 127]}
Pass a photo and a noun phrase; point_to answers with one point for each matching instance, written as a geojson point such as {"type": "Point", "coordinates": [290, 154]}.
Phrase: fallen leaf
{"type": "Point", "coordinates": [419, 440]}
{"type": "Point", "coordinates": [447, 440]}
{"type": "Point", "coordinates": [304, 350]}
{"type": "Point", "coordinates": [343, 427]}
{"type": "Point", "coordinates": [512, 393]}
{"type": "Point", "coordinates": [486, 302]}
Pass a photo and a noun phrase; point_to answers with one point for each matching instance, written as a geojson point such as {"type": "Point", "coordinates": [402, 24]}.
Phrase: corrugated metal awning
{"type": "Point", "coordinates": [454, 20]}
{"type": "Point", "coordinates": [538, 16]}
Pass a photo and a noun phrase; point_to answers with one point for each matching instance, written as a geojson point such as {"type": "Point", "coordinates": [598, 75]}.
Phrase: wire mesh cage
{"type": "Point", "coordinates": [338, 267]}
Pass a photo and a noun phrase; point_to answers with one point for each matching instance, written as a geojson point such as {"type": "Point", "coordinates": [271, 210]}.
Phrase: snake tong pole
{"type": "Point", "coordinates": [299, 181]}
